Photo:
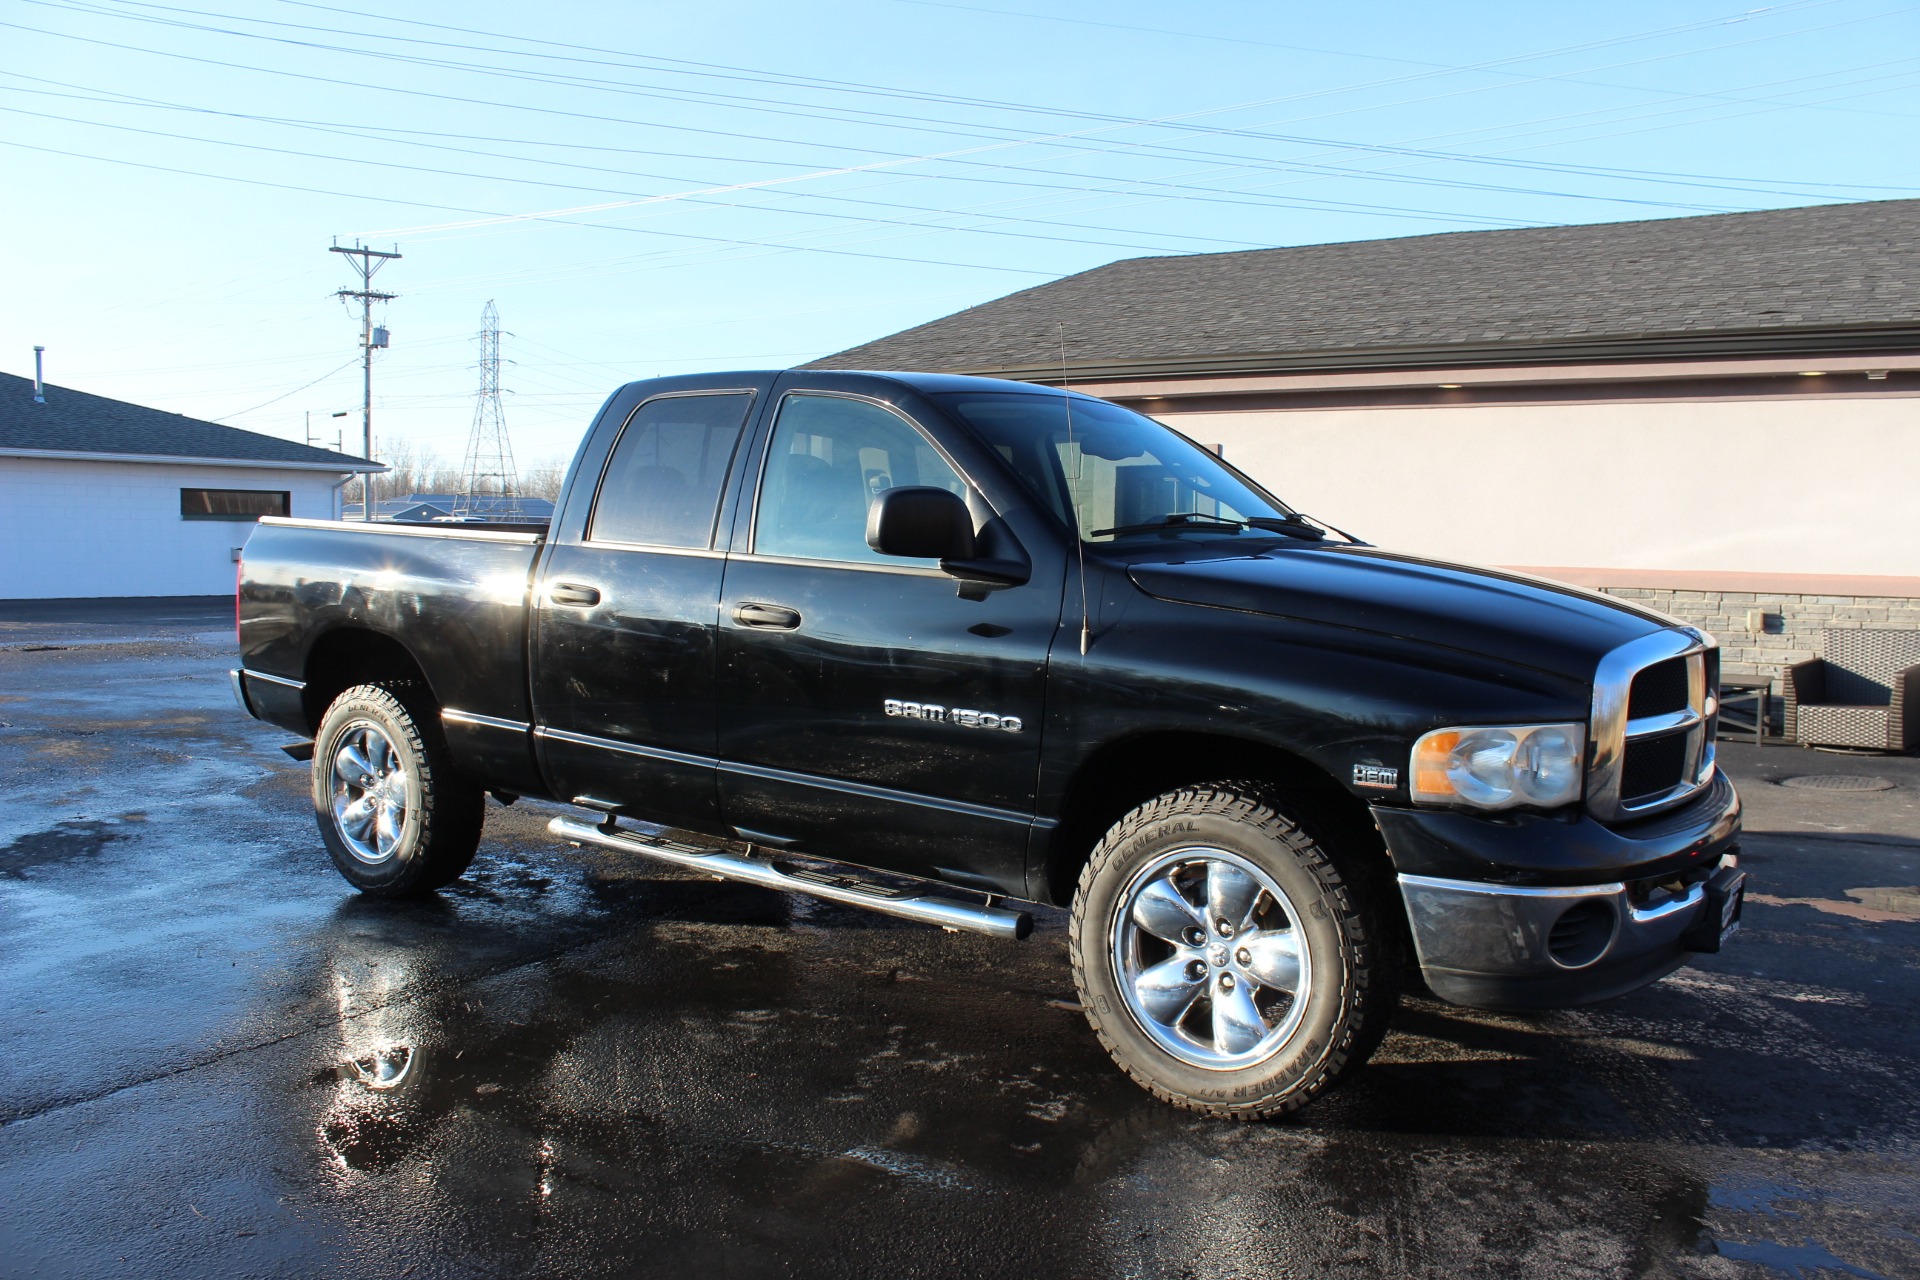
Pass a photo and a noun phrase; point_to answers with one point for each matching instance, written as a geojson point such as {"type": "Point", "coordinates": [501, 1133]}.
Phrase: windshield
{"type": "Point", "coordinates": [1123, 476]}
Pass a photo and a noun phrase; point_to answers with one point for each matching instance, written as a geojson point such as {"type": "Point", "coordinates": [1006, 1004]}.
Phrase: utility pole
{"type": "Point", "coordinates": [365, 262]}
{"type": "Point", "coordinates": [489, 452]}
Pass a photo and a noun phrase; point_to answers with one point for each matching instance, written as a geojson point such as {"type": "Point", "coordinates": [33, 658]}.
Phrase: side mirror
{"type": "Point", "coordinates": [921, 522]}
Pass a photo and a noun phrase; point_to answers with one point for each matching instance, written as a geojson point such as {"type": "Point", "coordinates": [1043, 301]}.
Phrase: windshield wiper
{"type": "Point", "coordinates": [1358, 542]}
{"type": "Point", "coordinates": [1177, 520]}
{"type": "Point", "coordinates": [1292, 526]}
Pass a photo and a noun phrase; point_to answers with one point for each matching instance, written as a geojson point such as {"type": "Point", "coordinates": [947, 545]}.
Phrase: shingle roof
{"type": "Point", "coordinates": [1721, 283]}
{"type": "Point", "coordinates": [76, 422]}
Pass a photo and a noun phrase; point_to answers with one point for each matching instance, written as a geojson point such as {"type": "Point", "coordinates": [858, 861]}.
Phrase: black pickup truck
{"type": "Point", "coordinates": [933, 644]}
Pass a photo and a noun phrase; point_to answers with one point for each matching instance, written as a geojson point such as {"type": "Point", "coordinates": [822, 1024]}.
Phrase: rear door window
{"type": "Point", "coordinates": [662, 486]}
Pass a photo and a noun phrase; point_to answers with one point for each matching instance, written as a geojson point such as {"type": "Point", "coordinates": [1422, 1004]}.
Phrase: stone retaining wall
{"type": "Point", "coordinates": [1790, 627]}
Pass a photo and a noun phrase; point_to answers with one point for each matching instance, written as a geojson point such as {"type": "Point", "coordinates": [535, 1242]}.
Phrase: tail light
{"type": "Point", "coordinates": [239, 575]}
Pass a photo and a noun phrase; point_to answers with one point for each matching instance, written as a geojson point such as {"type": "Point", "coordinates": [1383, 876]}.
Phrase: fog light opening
{"type": "Point", "coordinates": [1582, 934]}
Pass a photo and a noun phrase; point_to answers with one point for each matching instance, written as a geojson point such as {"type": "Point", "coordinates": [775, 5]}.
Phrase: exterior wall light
{"type": "Point", "coordinates": [1449, 386]}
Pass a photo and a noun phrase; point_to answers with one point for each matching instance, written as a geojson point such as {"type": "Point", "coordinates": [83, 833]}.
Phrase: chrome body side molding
{"type": "Point", "coordinates": [625, 748]}
{"type": "Point", "coordinates": [485, 722]}
{"type": "Point", "coordinates": [879, 793]}
{"type": "Point", "coordinates": [798, 779]}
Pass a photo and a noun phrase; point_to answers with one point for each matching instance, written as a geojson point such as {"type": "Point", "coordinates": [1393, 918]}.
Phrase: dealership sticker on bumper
{"type": "Point", "coordinates": [1730, 903]}
{"type": "Point", "coordinates": [1719, 918]}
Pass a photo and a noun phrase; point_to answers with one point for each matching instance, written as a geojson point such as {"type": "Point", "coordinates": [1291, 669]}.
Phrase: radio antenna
{"type": "Point", "coordinates": [1080, 543]}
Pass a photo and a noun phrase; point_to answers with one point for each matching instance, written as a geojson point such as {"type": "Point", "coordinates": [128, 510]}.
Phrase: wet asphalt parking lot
{"type": "Point", "coordinates": [219, 1060]}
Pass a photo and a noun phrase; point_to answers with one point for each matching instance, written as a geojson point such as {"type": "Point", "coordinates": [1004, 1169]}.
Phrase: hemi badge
{"type": "Point", "coordinates": [1375, 775]}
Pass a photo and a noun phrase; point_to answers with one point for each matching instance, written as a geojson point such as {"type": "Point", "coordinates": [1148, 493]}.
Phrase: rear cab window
{"type": "Point", "coordinates": [663, 482]}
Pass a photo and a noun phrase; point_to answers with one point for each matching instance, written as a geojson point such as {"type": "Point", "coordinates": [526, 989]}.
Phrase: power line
{"type": "Point", "coordinates": [1329, 170]}
{"type": "Point", "coordinates": [1182, 123]}
{"type": "Point", "coordinates": [370, 133]}
{"type": "Point", "coordinates": [1180, 191]}
{"type": "Point", "coordinates": [756, 75]}
{"type": "Point", "coordinates": [1002, 141]}
{"type": "Point", "coordinates": [890, 159]}
{"type": "Point", "coordinates": [565, 186]}
{"type": "Point", "coordinates": [484, 213]}
{"type": "Point", "coordinates": [296, 391]}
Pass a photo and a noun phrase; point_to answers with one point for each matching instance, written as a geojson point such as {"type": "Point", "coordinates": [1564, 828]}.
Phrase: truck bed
{"type": "Point", "coordinates": [457, 594]}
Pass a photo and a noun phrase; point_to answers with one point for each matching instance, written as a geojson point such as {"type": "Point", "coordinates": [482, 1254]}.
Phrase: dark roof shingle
{"type": "Point", "coordinates": [76, 422]}
{"type": "Point", "coordinates": [1770, 273]}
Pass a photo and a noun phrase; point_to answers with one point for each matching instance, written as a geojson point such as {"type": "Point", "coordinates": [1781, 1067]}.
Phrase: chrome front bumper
{"type": "Point", "coordinates": [1508, 947]}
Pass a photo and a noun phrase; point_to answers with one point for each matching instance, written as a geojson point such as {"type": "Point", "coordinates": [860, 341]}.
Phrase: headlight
{"type": "Point", "coordinates": [1500, 766]}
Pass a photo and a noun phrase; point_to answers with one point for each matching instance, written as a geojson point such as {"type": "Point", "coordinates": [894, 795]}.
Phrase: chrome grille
{"type": "Point", "coordinates": [1658, 690]}
{"type": "Point", "coordinates": [1651, 767]}
{"type": "Point", "coordinates": [1653, 715]}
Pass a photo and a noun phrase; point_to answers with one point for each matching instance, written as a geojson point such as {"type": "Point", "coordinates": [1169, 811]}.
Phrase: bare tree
{"type": "Point", "coordinates": [412, 469]}
{"type": "Point", "coordinates": [543, 479]}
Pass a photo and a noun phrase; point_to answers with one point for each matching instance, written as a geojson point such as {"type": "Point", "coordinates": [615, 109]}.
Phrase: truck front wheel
{"type": "Point", "coordinates": [1228, 962]}
{"type": "Point", "coordinates": [397, 817]}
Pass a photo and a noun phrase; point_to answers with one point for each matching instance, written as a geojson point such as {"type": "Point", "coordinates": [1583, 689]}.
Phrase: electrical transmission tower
{"type": "Point", "coordinates": [365, 262]}
{"type": "Point", "coordinates": [489, 489]}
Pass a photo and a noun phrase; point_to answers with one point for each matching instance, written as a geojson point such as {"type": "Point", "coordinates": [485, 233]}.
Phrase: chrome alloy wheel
{"type": "Point", "coordinates": [1209, 959]}
{"type": "Point", "coordinates": [369, 793]}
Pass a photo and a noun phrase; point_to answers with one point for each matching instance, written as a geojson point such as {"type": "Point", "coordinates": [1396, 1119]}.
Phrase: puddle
{"type": "Point", "coordinates": [1803, 1261]}
{"type": "Point", "coordinates": [67, 842]}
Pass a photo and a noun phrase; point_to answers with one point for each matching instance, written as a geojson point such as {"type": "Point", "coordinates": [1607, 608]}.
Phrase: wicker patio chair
{"type": "Point", "coordinates": [1863, 691]}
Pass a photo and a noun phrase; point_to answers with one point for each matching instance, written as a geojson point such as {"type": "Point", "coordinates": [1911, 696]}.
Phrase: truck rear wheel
{"type": "Point", "coordinates": [397, 817]}
{"type": "Point", "coordinates": [1228, 962]}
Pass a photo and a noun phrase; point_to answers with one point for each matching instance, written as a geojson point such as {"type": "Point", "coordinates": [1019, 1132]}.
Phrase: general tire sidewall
{"type": "Point", "coordinates": [1301, 1064]}
{"type": "Point", "coordinates": [390, 716]}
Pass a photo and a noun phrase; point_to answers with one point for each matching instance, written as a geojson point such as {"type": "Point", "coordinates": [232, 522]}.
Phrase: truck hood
{"type": "Point", "coordinates": [1510, 617]}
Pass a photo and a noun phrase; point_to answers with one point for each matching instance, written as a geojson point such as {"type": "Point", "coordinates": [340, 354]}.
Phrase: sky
{"type": "Point", "coordinates": [644, 189]}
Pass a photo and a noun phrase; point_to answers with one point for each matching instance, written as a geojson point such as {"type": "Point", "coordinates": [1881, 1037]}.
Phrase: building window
{"type": "Point", "coordinates": [232, 504]}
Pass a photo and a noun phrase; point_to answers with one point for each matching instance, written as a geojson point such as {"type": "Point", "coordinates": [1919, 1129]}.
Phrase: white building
{"type": "Point", "coordinates": [99, 497]}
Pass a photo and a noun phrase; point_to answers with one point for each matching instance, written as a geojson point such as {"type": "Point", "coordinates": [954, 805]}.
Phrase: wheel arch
{"type": "Point", "coordinates": [1130, 771]}
{"type": "Point", "coordinates": [350, 655]}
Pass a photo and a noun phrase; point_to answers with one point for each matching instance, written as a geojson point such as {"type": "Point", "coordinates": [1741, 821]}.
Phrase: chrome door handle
{"type": "Point", "coordinates": [770, 617]}
{"type": "Point", "coordinates": [573, 593]}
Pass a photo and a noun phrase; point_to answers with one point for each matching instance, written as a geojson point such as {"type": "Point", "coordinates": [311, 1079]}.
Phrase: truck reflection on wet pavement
{"type": "Point", "coordinates": [218, 1060]}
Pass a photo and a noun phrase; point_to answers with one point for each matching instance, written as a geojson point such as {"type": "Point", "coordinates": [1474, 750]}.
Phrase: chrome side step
{"type": "Point", "coordinates": [909, 904]}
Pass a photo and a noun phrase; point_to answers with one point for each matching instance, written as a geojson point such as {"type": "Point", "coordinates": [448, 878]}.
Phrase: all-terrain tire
{"type": "Point", "coordinates": [1348, 980]}
{"type": "Point", "coordinates": [436, 813]}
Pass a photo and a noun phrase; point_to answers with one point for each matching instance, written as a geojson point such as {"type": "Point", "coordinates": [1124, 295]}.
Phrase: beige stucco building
{"type": "Point", "coordinates": [1720, 415]}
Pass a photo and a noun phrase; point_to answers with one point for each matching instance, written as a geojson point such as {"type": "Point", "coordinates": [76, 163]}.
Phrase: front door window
{"type": "Point", "coordinates": [830, 457]}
